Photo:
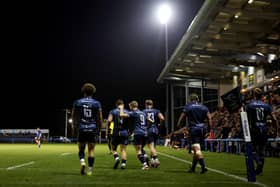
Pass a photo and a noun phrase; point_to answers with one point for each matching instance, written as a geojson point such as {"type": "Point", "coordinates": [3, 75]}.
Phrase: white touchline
{"type": "Point", "coordinates": [21, 165]}
{"type": "Point", "coordinates": [214, 170]}
{"type": "Point", "coordinates": [64, 154]}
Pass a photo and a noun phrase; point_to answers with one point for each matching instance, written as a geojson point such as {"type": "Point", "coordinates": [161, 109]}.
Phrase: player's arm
{"type": "Point", "coordinates": [161, 117]}
{"type": "Point", "coordinates": [109, 120]}
{"type": "Point", "coordinates": [122, 113]}
{"type": "Point", "coordinates": [149, 122]}
{"type": "Point", "coordinates": [74, 120]}
{"type": "Point", "coordinates": [179, 123]}
{"type": "Point", "coordinates": [210, 122]}
{"type": "Point", "coordinates": [99, 119]}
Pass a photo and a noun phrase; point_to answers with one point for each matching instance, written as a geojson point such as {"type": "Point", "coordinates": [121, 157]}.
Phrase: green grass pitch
{"type": "Point", "coordinates": [58, 165]}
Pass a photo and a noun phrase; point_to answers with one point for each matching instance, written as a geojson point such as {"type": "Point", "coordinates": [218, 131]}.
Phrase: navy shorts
{"type": "Point", "coordinates": [117, 140]}
{"type": "Point", "coordinates": [197, 134]}
{"type": "Point", "coordinates": [152, 137]}
{"type": "Point", "coordinates": [140, 140]}
{"type": "Point", "coordinates": [87, 137]}
{"type": "Point", "coordinates": [259, 135]}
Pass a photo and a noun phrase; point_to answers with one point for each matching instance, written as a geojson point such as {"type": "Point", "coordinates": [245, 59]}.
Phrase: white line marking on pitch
{"type": "Point", "coordinates": [19, 166]}
{"type": "Point", "coordinates": [64, 154]}
{"type": "Point", "coordinates": [214, 170]}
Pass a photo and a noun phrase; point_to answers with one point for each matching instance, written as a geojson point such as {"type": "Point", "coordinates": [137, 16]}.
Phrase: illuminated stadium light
{"type": "Point", "coordinates": [250, 1]}
{"type": "Point", "coordinates": [260, 54]}
{"type": "Point", "coordinates": [271, 57]}
{"type": "Point", "coordinates": [179, 70]}
{"type": "Point", "coordinates": [164, 13]}
{"type": "Point", "coordinates": [237, 15]}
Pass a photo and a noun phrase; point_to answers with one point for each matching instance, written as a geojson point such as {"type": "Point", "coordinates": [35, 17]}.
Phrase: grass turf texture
{"type": "Point", "coordinates": [58, 165]}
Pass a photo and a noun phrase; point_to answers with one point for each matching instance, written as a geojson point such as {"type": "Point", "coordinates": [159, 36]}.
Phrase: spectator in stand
{"type": "Point", "coordinates": [211, 134]}
{"type": "Point", "coordinates": [232, 144]}
{"type": "Point", "coordinates": [276, 100]}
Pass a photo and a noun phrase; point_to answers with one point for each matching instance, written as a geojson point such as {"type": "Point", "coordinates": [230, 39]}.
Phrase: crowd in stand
{"type": "Point", "coordinates": [228, 126]}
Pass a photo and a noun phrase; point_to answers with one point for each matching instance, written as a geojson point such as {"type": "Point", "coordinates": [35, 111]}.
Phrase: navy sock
{"type": "Point", "coordinates": [123, 161]}
{"type": "Point", "coordinates": [90, 161]}
{"type": "Point", "coordinates": [201, 162]}
{"type": "Point", "coordinates": [115, 156]}
{"type": "Point", "coordinates": [143, 151]}
{"type": "Point", "coordinates": [141, 158]}
{"type": "Point", "coordinates": [81, 155]}
{"type": "Point", "coordinates": [154, 157]}
{"type": "Point", "coordinates": [194, 162]}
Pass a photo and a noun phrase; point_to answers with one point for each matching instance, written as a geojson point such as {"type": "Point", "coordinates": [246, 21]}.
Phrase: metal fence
{"type": "Point", "coordinates": [236, 145]}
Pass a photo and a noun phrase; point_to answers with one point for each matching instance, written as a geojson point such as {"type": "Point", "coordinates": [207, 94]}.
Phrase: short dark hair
{"type": "Point", "coordinates": [88, 89]}
{"type": "Point", "coordinates": [133, 104]}
{"type": "Point", "coordinates": [149, 102]}
{"type": "Point", "coordinates": [119, 102]}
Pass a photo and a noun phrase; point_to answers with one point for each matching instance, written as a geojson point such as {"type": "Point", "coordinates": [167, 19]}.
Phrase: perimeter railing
{"type": "Point", "coordinates": [235, 145]}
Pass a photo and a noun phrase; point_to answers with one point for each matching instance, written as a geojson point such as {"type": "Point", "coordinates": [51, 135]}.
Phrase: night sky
{"type": "Point", "coordinates": [56, 46]}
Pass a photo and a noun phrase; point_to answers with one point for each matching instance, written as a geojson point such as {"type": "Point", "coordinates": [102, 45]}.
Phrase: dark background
{"type": "Point", "coordinates": [53, 47]}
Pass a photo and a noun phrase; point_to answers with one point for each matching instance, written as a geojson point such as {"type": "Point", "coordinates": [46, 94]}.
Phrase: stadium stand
{"type": "Point", "coordinates": [21, 135]}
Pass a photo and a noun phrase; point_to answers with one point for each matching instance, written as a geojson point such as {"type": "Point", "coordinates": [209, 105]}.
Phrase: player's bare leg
{"type": "Point", "coordinates": [154, 162]}
{"type": "Point", "coordinates": [91, 147]}
{"type": "Point", "coordinates": [82, 147]}
{"type": "Point", "coordinates": [123, 155]}
{"type": "Point", "coordinates": [140, 156]}
{"type": "Point", "coordinates": [38, 142]}
{"type": "Point", "coordinates": [197, 157]}
{"type": "Point", "coordinates": [116, 156]}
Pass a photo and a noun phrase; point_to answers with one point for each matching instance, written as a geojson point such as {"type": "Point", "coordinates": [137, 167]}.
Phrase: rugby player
{"type": "Point", "coordinates": [196, 113]}
{"type": "Point", "coordinates": [38, 137]}
{"type": "Point", "coordinates": [87, 118]}
{"type": "Point", "coordinates": [109, 134]}
{"type": "Point", "coordinates": [139, 123]}
{"type": "Point", "coordinates": [120, 133]}
{"type": "Point", "coordinates": [257, 112]}
{"type": "Point", "coordinates": [156, 118]}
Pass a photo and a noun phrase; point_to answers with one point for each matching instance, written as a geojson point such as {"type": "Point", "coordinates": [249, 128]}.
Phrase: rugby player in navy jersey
{"type": "Point", "coordinates": [109, 134]}
{"type": "Point", "coordinates": [38, 137]}
{"type": "Point", "coordinates": [139, 123]}
{"type": "Point", "coordinates": [87, 118]}
{"type": "Point", "coordinates": [156, 118]}
{"type": "Point", "coordinates": [196, 114]}
{"type": "Point", "coordinates": [257, 112]}
{"type": "Point", "coordinates": [120, 133]}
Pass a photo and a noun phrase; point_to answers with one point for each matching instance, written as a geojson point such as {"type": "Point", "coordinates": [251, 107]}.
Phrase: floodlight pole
{"type": "Point", "coordinates": [166, 43]}
{"type": "Point", "coordinates": [164, 14]}
{"type": "Point", "coordinates": [66, 122]}
{"type": "Point", "coordinates": [167, 85]}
